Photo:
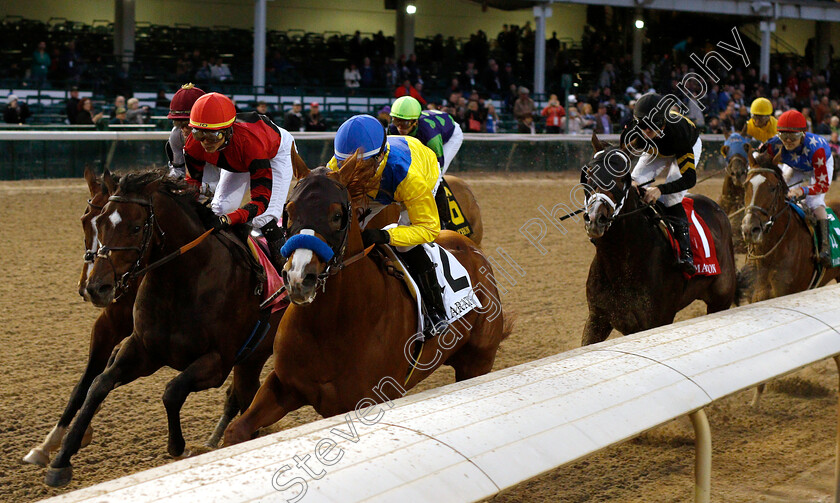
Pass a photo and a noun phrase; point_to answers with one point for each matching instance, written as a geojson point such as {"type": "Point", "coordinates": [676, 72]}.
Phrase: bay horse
{"type": "Point", "coordinates": [466, 200]}
{"type": "Point", "coordinates": [732, 194]}
{"type": "Point", "coordinates": [633, 284]}
{"type": "Point", "coordinates": [781, 258]}
{"type": "Point", "coordinates": [193, 314]}
{"type": "Point", "coordinates": [334, 351]}
{"type": "Point", "coordinates": [780, 250]}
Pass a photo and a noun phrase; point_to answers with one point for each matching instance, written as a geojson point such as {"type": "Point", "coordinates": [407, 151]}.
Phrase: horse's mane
{"type": "Point", "coordinates": [765, 161]}
{"type": "Point", "coordinates": [179, 190]}
{"type": "Point", "coordinates": [359, 176]}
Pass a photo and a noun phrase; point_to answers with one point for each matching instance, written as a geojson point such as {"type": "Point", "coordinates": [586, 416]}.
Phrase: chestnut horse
{"type": "Point", "coordinates": [335, 351]}
{"type": "Point", "coordinates": [780, 250]}
{"type": "Point", "coordinates": [633, 284]}
{"type": "Point", "coordinates": [193, 322]}
{"type": "Point", "coordinates": [466, 200]}
{"type": "Point", "coordinates": [732, 195]}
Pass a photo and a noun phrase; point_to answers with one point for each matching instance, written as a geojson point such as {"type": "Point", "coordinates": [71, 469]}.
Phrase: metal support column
{"type": "Point", "coordinates": [541, 12]}
{"type": "Point", "coordinates": [124, 29]}
{"type": "Point", "coordinates": [767, 27]}
{"type": "Point", "coordinates": [822, 46]}
{"type": "Point", "coordinates": [638, 37]}
{"type": "Point", "coordinates": [404, 39]}
{"type": "Point", "coordinates": [259, 46]}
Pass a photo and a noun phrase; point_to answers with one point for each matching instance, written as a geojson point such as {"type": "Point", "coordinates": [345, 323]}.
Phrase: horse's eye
{"type": "Point", "coordinates": [336, 217]}
{"type": "Point", "coordinates": [135, 229]}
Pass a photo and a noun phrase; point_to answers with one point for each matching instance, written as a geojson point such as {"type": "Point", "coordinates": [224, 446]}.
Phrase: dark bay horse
{"type": "Point", "coordinates": [335, 351]}
{"type": "Point", "coordinates": [780, 255]}
{"type": "Point", "coordinates": [732, 195]}
{"type": "Point", "coordinates": [182, 317]}
{"type": "Point", "coordinates": [633, 284]}
{"type": "Point", "coordinates": [466, 200]}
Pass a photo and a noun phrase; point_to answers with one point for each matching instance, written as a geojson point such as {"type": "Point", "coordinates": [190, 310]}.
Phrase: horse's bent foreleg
{"type": "Point", "coordinates": [597, 329]}
{"type": "Point", "coordinates": [103, 340]}
{"type": "Point", "coordinates": [273, 401]}
{"type": "Point", "coordinates": [205, 372]}
{"type": "Point", "coordinates": [132, 362]}
{"type": "Point", "coordinates": [756, 400]}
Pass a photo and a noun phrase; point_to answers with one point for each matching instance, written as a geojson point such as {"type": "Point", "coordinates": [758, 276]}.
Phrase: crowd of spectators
{"type": "Point", "coordinates": [482, 82]}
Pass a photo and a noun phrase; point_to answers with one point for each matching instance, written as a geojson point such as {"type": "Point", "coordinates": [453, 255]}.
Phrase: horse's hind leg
{"type": "Point", "coordinates": [246, 382]}
{"type": "Point", "coordinates": [229, 411]}
{"type": "Point", "coordinates": [104, 337]}
{"type": "Point", "coordinates": [131, 363]}
{"type": "Point", "coordinates": [597, 329]}
{"type": "Point", "coordinates": [273, 401]}
{"type": "Point", "coordinates": [205, 372]}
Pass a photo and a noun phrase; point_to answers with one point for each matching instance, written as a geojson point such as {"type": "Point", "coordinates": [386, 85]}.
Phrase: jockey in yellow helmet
{"type": "Point", "coordinates": [762, 124]}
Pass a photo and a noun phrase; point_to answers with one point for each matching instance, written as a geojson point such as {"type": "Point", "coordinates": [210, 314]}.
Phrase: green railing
{"type": "Point", "coordinates": [64, 154]}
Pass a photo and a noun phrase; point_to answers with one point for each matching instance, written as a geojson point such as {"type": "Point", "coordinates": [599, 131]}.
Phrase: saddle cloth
{"type": "Point", "coordinates": [458, 295]}
{"type": "Point", "coordinates": [702, 245]}
{"type": "Point", "coordinates": [273, 279]}
{"type": "Point", "coordinates": [833, 232]}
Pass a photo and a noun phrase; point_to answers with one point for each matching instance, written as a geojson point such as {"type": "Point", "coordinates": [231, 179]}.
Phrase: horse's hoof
{"type": "Point", "coordinates": [57, 477]}
{"type": "Point", "coordinates": [37, 457]}
{"type": "Point", "coordinates": [187, 453]}
{"type": "Point", "coordinates": [87, 438]}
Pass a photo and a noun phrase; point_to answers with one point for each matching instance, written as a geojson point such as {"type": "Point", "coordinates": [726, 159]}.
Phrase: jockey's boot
{"type": "Point", "coordinates": [679, 222]}
{"type": "Point", "coordinates": [825, 243]}
{"type": "Point", "coordinates": [442, 203]}
{"type": "Point", "coordinates": [423, 271]}
{"type": "Point", "coordinates": [275, 237]}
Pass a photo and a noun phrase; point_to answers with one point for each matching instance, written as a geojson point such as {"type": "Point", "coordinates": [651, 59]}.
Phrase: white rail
{"type": "Point", "coordinates": [470, 440]}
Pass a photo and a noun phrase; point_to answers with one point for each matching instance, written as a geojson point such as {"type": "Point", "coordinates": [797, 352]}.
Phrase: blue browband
{"type": "Point", "coordinates": [307, 242]}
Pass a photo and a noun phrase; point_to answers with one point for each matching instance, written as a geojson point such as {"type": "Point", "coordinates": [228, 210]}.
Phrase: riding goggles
{"type": "Point", "coordinates": [207, 135]}
{"type": "Point", "coordinates": [790, 136]}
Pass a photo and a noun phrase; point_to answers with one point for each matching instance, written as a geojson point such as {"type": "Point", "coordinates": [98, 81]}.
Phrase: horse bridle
{"type": "Point", "coordinates": [104, 251]}
{"type": "Point", "coordinates": [771, 218]}
{"type": "Point", "coordinates": [90, 255]}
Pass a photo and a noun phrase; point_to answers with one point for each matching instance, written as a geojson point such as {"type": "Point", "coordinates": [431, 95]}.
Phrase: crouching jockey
{"type": "Point", "coordinates": [762, 124]}
{"type": "Point", "coordinates": [665, 139]}
{"type": "Point", "coordinates": [246, 146]}
{"type": "Point", "coordinates": [434, 129]}
{"type": "Point", "coordinates": [406, 173]}
{"type": "Point", "coordinates": [179, 112]}
{"type": "Point", "coordinates": [809, 157]}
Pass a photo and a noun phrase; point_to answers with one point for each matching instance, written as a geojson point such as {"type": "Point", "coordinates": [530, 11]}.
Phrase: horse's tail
{"type": "Point", "coordinates": [744, 280]}
{"type": "Point", "coordinates": [509, 320]}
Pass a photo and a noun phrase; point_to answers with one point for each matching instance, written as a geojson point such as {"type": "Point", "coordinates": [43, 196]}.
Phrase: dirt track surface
{"type": "Point", "coordinates": [758, 455]}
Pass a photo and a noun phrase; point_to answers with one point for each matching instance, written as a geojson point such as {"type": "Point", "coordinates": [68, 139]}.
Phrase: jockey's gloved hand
{"type": "Point", "coordinates": [375, 236]}
{"type": "Point", "coordinates": [221, 222]}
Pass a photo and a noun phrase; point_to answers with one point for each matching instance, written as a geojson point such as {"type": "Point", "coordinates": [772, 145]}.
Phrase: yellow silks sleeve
{"type": "Point", "coordinates": [415, 194]}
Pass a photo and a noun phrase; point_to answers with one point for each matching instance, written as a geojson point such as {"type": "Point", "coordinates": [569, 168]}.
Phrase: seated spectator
{"type": "Point", "coordinates": [262, 109]}
{"type": "Point", "coordinates": [406, 89]}
{"type": "Point", "coordinates": [161, 101]}
{"type": "Point", "coordinates": [491, 125]}
{"type": "Point", "coordinates": [16, 112]}
{"type": "Point", "coordinates": [119, 117]}
{"type": "Point", "coordinates": [86, 117]}
{"type": "Point", "coordinates": [523, 111]}
{"type": "Point", "coordinates": [204, 72]}
{"type": "Point", "coordinates": [314, 120]}
{"type": "Point", "coordinates": [293, 121]}
{"type": "Point", "coordinates": [602, 120]}
{"type": "Point", "coordinates": [834, 122]}
{"type": "Point", "coordinates": [714, 126]}
{"type": "Point", "coordinates": [574, 122]}
{"type": "Point", "coordinates": [72, 107]}
{"type": "Point", "coordinates": [119, 102]}
{"type": "Point", "coordinates": [136, 114]}
{"type": "Point", "coordinates": [351, 77]}
{"type": "Point", "coordinates": [367, 73]}
{"type": "Point", "coordinates": [474, 118]}
{"type": "Point", "coordinates": [553, 113]}
{"type": "Point", "coordinates": [588, 118]}
{"type": "Point", "coordinates": [220, 72]}
{"type": "Point", "coordinates": [823, 128]}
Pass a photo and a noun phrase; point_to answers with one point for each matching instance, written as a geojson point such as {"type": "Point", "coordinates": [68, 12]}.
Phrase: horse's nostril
{"type": "Point", "coordinates": [309, 280]}
{"type": "Point", "coordinates": [104, 289]}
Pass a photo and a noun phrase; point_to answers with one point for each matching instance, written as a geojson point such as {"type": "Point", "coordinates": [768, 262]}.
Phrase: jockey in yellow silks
{"type": "Point", "coordinates": [408, 174]}
{"type": "Point", "coordinates": [762, 125]}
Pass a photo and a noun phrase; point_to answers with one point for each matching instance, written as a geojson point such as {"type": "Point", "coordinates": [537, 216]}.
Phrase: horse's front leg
{"type": "Point", "coordinates": [205, 372]}
{"type": "Point", "coordinates": [597, 329]}
{"type": "Point", "coordinates": [103, 338]}
{"type": "Point", "coordinates": [273, 401]}
{"type": "Point", "coordinates": [131, 363]}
